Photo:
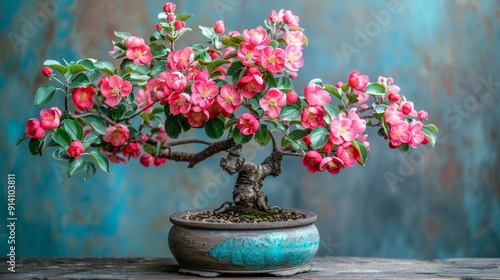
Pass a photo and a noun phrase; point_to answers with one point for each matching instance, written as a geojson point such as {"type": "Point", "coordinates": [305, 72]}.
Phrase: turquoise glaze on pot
{"type": "Point", "coordinates": [273, 250]}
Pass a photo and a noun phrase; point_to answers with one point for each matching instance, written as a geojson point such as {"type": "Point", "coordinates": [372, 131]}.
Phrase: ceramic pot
{"type": "Point", "coordinates": [211, 249]}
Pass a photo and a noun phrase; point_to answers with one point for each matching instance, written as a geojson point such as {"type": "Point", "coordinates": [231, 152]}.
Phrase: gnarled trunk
{"type": "Point", "coordinates": [248, 188]}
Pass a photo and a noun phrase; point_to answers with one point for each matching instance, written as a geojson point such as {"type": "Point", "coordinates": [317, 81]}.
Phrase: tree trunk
{"type": "Point", "coordinates": [247, 191]}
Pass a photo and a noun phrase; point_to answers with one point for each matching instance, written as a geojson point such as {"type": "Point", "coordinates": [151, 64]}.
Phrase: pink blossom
{"type": "Point", "coordinates": [358, 81]}
{"type": "Point", "coordinates": [179, 24]}
{"type": "Point", "coordinates": [256, 37]}
{"type": "Point", "coordinates": [291, 97]}
{"type": "Point", "coordinates": [291, 19]}
{"type": "Point", "coordinates": [203, 93]}
{"type": "Point", "coordinates": [339, 85]}
{"type": "Point", "coordinates": [248, 124]}
{"type": "Point", "coordinates": [363, 139]}
{"type": "Point", "coordinates": [75, 149]}
{"type": "Point", "coordinates": [276, 16]}
{"type": "Point", "coordinates": [331, 164]}
{"type": "Point", "coordinates": [83, 97]}
{"type": "Point", "coordinates": [143, 100]}
{"type": "Point", "coordinates": [407, 108]}
{"type": "Point", "coordinates": [112, 157]}
{"type": "Point", "coordinates": [216, 109]}
{"type": "Point", "coordinates": [312, 117]}
{"type": "Point", "coordinates": [273, 59]}
{"type": "Point", "coordinates": [341, 131]}
{"type": "Point", "coordinates": [219, 26]}
{"type": "Point", "coordinates": [34, 129]}
{"type": "Point", "coordinates": [392, 115]}
{"type": "Point", "coordinates": [311, 161]}
{"type": "Point", "coordinates": [46, 71]}
{"type": "Point", "coordinates": [158, 87]}
{"type": "Point", "coordinates": [180, 103]}
{"type": "Point", "coordinates": [399, 133]}
{"type": "Point", "coordinates": [394, 97]}
{"type": "Point", "coordinates": [114, 88]}
{"type": "Point", "coordinates": [357, 123]}
{"type": "Point", "coordinates": [315, 95]}
{"type": "Point", "coordinates": [272, 102]}
{"type": "Point", "coordinates": [295, 38]}
{"type": "Point", "coordinates": [161, 136]}
{"type": "Point", "coordinates": [169, 7]}
{"type": "Point", "coordinates": [160, 161]}
{"type": "Point", "coordinates": [197, 116]}
{"type": "Point", "coordinates": [417, 134]}
{"type": "Point", "coordinates": [348, 154]}
{"type": "Point", "coordinates": [50, 118]}
{"type": "Point", "coordinates": [170, 17]}
{"type": "Point", "coordinates": [293, 75]}
{"type": "Point", "coordinates": [251, 83]}
{"type": "Point", "coordinates": [229, 98]}
{"type": "Point", "coordinates": [293, 58]}
{"type": "Point", "coordinates": [361, 96]}
{"type": "Point", "coordinates": [137, 50]}
{"type": "Point", "coordinates": [132, 149]}
{"type": "Point", "coordinates": [180, 59]}
{"type": "Point", "coordinates": [116, 135]}
{"type": "Point", "coordinates": [146, 160]}
{"type": "Point", "coordinates": [423, 115]}
{"type": "Point", "coordinates": [248, 54]}
{"type": "Point", "coordinates": [176, 81]}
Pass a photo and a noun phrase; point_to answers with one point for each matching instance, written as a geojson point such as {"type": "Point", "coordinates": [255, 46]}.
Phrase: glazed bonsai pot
{"type": "Point", "coordinates": [210, 249]}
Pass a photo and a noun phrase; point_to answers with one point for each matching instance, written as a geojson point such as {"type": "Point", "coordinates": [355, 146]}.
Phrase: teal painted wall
{"type": "Point", "coordinates": [445, 202]}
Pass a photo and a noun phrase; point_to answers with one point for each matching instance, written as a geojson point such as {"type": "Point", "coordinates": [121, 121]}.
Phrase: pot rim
{"type": "Point", "coordinates": [309, 218]}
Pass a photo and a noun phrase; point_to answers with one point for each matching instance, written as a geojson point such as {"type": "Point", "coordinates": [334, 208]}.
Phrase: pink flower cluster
{"type": "Point", "coordinates": [404, 122]}
{"type": "Point", "coordinates": [49, 119]}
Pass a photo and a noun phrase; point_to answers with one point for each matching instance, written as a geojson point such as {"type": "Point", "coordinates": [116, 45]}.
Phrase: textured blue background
{"type": "Point", "coordinates": [445, 202]}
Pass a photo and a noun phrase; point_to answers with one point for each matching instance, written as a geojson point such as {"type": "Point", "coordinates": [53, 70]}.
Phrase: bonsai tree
{"type": "Point", "coordinates": [238, 87]}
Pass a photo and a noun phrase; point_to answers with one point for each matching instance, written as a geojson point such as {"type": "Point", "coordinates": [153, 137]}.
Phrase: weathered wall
{"type": "Point", "coordinates": [442, 202]}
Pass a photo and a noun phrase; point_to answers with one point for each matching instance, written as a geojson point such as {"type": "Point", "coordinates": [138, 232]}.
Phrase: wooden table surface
{"type": "Point", "coordinates": [322, 268]}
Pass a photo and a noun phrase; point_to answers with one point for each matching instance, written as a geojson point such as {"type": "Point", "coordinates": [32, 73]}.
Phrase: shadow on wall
{"type": "Point", "coordinates": [429, 203]}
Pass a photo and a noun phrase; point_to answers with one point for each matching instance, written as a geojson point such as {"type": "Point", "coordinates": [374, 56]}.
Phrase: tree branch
{"type": "Point", "coordinates": [194, 158]}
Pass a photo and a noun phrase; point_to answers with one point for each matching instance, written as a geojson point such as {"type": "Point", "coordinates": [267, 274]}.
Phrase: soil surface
{"type": "Point", "coordinates": [235, 214]}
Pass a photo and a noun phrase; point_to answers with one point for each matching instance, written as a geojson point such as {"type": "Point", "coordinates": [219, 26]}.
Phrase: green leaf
{"type": "Point", "coordinates": [318, 81]}
{"type": "Point", "coordinates": [62, 138]}
{"type": "Point", "coordinates": [89, 170]}
{"type": "Point", "coordinates": [375, 89]}
{"type": "Point", "coordinates": [215, 64]}
{"type": "Point", "coordinates": [290, 112]}
{"type": "Point", "coordinates": [270, 80]}
{"type": "Point", "coordinates": [334, 112]}
{"type": "Point", "coordinates": [137, 68]}
{"type": "Point", "coordinates": [240, 139]}
{"type": "Point", "coordinates": [75, 165]}
{"type": "Point", "coordinates": [96, 123]}
{"type": "Point", "coordinates": [80, 80]}
{"type": "Point", "coordinates": [431, 132]}
{"type": "Point", "coordinates": [155, 36]}
{"type": "Point", "coordinates": [183, 16]}
{"type": "Point", "coordinates": [23, 137]}
{"type": "Point", "coordinates": [214, 128]}
{"type": "Point", "coordinates": [173, 126]}
{"type": "Point", "coordinates": [56, 65]}
{"type": "Point", "coordinates": [158, 68]}
{"type": "Point", "coordinates": [298, 134]}
{"type": "Point", "coordinates": [91, 139]}
{"type": "Point", "coordinates": [334, 91]}
{"type": "Point", "coordinates": [345, 87]}
{"type": "Point", "coordinates": [138, 77]}
{"type": "Point", "coordinates": [100, 159]}
{"type": "Point", "coordinates": [262, 135]}
{"type": "Point", "coordinates": [207, 32]}
{"type": "Point", "coordinates": [44, 95]}
{"type": "Point", "coordinates": [235, 68]}
{"type": "Point", "coordinates": [363, 152]}
{"type": "Point", "coordinates": [379, 108]}
{"type": "Point", "coordinates": [94, 75]}
{"type": "Point", "coordinates": [404, 147]}
{"type": "Point", "coordinates": [105, 66]}
{"type": "Point", "coordinates": [60, 154]}
{"type": "Point", "coordinates": [73, 128]}
{"type": "Point", "coordinates": [274, 44]}
{"type": "Point", "coordinates": [122, 35]}
{"type": "Point", "coordinates": [157, 50]}
{"type": "Point", "coordinates": [319, 137]}
{"type": "Point", "coordinates": [34, 146]}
